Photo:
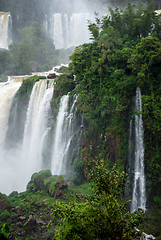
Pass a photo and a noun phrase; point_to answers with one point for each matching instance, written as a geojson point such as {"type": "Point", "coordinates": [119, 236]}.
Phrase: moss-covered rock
{"type": "Point", "coordinates": [37, 180]}
{"type": "Point", "coordinates": [45, 182]}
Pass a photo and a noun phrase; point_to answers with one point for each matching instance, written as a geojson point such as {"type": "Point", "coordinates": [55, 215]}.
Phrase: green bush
{"type": "Point", "coordinates": [103, 215]}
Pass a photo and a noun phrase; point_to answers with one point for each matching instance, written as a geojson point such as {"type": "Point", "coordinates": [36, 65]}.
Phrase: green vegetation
{"type": "Point", "coordinates": [27, 85]}
{"type": "Point", "coordinates": [34, 52]}
{"type": "Point", "coordinates": [104, 80]}
{"type": "Point", "coordinates": [125, 53]}
{"type": "Point", "coordinates": [4, 232]}
{"type": "Point", "coordinates": [121, 57]}
{"type": "Point", "coordinates": [103, 215]}
{"type": "Point", "coordinates": [64, 69]}
{"type": "Point", "coordinates": [64, 84]}
{"type": "Point", "coordinates": [31, 209]}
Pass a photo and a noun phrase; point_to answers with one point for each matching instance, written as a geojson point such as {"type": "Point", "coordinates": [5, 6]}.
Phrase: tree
{"type": "Point", "coordinates": [21, 57]}
{"type": "Point", "coordinates": [108, 43]}
{"type": "Point", "coordinates": [103, 215]}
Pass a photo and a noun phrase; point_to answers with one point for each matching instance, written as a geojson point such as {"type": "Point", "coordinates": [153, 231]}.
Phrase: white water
{"type": "Point", "coordinates": [5, 29]}
{"type": "Point", "coordinates": [7, 93]}
{"type": "Point", "coordinates": [63, 136]}
{"type": "Point", "coordinates": [19, 163]}
{"type": "Point", "coordinates": [139, 188]}
{"type": "Point", "coordinates": [36, 127]}
{"type": "Point", "coordinates": [7, 167]}
{"type": "Point", "coordinates": [43, 142]}
{"type": "Point", "coordinates": [68, 30]}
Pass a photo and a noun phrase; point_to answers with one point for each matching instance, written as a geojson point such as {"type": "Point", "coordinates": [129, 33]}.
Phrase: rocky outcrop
{"type": "Point", "coordinates": [56, 186]}
{"type": "Point", "coordinates": [44, 180]}
{"type": "Point", "coordinates": [52, 76]}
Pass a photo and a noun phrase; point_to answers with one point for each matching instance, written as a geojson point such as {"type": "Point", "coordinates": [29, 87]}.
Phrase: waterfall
{"type": "Point", "coordinates": [58, 149]}
{"type": "Point", "coordinates": [7, 93]}
{"type": "Point", "coordinates": [36, 139]}
{"type": "Point", "coordinates": [5, 30]}
{"type": "Point", "coordinates": [68, 30]}
{"type": "Point", "coordinates": [19, 161]}
{"type": "Point", "coordinates": [78, 21]}
{"type": "Point", "coordinates": [7, 168]}
{"type": "Point", "coordinates": [58, 31]}
{"type": "Point", "coordinates": [64, 134]}
{"type": "Point", "coordinates": [139, 188]}
{"type": "Point", "coordinates": [37, 127]}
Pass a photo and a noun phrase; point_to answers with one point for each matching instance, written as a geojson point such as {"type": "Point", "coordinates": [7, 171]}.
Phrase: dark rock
{"type": "Point", "coordinates": [56, 94]}
{"type": "Point", "coordinates": [56, 69]}
{"type": "Point", "coordinates": [52, 76]}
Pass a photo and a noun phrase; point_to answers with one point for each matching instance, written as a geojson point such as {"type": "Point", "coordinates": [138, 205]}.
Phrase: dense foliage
{"type": "Point", "coordinates": [28, 213]}
{"type": "Point", "coordinates": [121, 57]}
{"type": "Point", "coordinates": [125, 53]}
{"type": "Point", "coordinates": [103, 215]}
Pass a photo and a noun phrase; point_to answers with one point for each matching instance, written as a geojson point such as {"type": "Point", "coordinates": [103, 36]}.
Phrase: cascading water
{"type": "Point", "coordinates": [34, 141]}
{"type": "Point", "coordinates": [139, 188]}
{"type": "Point", "coordinates": [5, 30]}
{"type": "Point", "coordinates": [36, 127]}
{"type": "Point", "coordinates": [68, 30]}
{"type": "Point", "coordinates": [7, 167]}
{"type": "Point", "coordinates": [18, 163]}
{"type": "Point", "coordinates": [63, 137]}
{"type": "Point", "coordinates": [7, 93]}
